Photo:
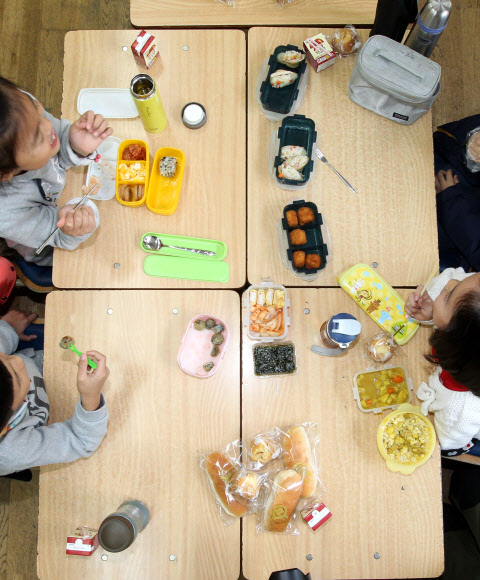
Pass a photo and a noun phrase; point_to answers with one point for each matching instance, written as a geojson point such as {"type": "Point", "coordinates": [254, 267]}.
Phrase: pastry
{"type": "Point", "coordinates": [292, 218]}
{"type": "Point", "coordinates": [298, 456]}
{"type": "Point", "coordinates": [299, 259]}
{"type": "Point", "coordinates": [283, 499]}
{"type": "Point", "coordinates": [245, 484]}
{"type": "Point", "coordinates": [263, 449]}
{"type": "Point", "coordinates": [298, 237]}
{"type": "Point", "coordinates": [313, 261]}
{"type": "Point", "coordinates": [305, 216]}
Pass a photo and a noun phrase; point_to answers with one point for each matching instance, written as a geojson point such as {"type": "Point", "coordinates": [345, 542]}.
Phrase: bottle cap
{"type": "Point", "coordinates": [194, 116]}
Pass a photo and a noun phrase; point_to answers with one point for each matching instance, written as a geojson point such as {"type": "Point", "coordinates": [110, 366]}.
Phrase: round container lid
{"type": "Point", "coordinates": [343, 328]}
{"type": "Point", "coordinates": [194, 115]}
{"type": "Point", "coordinates": [116, 533]}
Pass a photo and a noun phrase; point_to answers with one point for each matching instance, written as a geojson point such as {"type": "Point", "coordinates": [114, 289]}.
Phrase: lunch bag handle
{"type": "Point", "coordinates": [394, 60]}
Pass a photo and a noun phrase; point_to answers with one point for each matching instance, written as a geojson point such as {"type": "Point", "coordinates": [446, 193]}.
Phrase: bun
{"type": "Point", "coordinates": [263, 449]}
{"type": "Point", "coordinates": [283, 499]}
{"type": "Point", "coordinates": [245, 484]}
{"type": "Point", "coordinates": [298, 456]}
{"type": "Point", "coordinates": [220, 469]}
{"type": "Point", "coordinates": [345, 40]}
{"type": "Point", "coordinates": [381, 349]}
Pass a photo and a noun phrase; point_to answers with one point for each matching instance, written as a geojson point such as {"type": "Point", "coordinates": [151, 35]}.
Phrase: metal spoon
{"type": "Point", "coordinates": [322, 158]}
{"type": "Point", "coordinates": [154, 243]}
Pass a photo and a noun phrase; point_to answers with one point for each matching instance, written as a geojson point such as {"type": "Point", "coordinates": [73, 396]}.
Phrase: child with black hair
{"type": "Point", "coordinates": [452, 304]}
{"type": "Point", "coordinates": [35, 151]}
{"type": "Point", "coordinates": [25, 439]}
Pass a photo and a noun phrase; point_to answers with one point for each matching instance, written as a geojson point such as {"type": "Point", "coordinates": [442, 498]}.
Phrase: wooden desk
{"type": "Point", "coordinates": [160, 418]}
{"type": "Point", "coordinates": [213, 202]}
{"type": "Point", "coordinates": [393, 219]}
{"type": "Point", "coordinates": [250, 12]}
{"type": "Point", "coordinates": [374, 510]}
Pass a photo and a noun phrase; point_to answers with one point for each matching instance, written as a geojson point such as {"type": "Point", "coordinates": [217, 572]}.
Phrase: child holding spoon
{"type": "Point", "coordinates": [36, 149]}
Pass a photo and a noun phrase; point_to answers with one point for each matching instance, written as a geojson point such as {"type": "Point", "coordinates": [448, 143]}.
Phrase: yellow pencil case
{"type": "Point", "coordinates": [379, 300]}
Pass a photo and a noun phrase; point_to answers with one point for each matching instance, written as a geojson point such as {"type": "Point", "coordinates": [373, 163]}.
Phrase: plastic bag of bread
{"type": "Point", "coordinates": [300, 444]}
{"type": "Point", "coordinates": [346, 41]}
{"type": "Point", "coordinates": [472, 150]}
{"type": "Point", "coordinates": [262, 449]}
{"type": "Point", "coordinates": [284, 490]}
{"type": "Point", "coordinates": [236, 489]}
{"type": "Point", "coordinates": [380, 348]}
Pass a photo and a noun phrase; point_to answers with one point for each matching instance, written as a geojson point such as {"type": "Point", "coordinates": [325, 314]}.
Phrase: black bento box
{"type": "Point", "coordinates": [296, 130]}
{"type": "Point", "coordinates": [281, 100]}
{"type": "Point", "coordinates": [313, 231]}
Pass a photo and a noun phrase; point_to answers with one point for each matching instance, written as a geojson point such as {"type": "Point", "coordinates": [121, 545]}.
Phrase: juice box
{"type": "Point", "coordinates": [145, 49]}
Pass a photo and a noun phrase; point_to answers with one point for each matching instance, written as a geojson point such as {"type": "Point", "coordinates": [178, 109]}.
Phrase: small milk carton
{"type": "Point", "coordinates": [145, 49]}
{"type": "Point", "coordinates": [319, 52]}
{"type": "Point", "coordinates": [316, 516]}
{"type": "Point", "coordinates": [83, 542]}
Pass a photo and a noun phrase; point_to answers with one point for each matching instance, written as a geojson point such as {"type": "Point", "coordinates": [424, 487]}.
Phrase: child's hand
{"type": "Point", "coordinates": [20, 319]}
{"type": "Point", "coordinates": [88, 132]}
{"type": "Point", "coordinates": [76, 224]}
{"type": "Point", "coordinates": [445, 179]}
{"type": "Point", "coordinates": [419, 307]}
{"type": "Point", "coordinates": [90, 384]}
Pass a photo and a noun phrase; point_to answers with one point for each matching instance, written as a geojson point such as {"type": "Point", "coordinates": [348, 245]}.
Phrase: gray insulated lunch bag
{"type": "Point", "coordinates": [393, 80]}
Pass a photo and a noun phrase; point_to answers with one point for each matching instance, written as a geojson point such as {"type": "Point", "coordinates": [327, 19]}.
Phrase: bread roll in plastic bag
{"type": "Point", "coordinates": [472, 150]}
{"type": "Point", "coordinates": [346, 41]}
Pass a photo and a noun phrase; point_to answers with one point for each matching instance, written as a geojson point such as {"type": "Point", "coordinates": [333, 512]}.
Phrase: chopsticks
{"type": "Point", "coordinates": [81, 202]}
{"type": "Point", "coordinates": [429, 279]}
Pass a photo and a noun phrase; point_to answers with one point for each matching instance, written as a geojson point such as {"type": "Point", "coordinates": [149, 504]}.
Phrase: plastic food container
{"type": "Point", "coordinates": [164, 192]}
{"type": "Point", "coordinates": [133, 182]}
{"type": "Point", "coordinates": [406, 467]}
{"type": "Point", "coordinates": [267, 301]}
{"type": "Point", "coordinates": [277, 103]}
{"type": "Point", "coordinates": [106, 169]}
{"type": "Point", "coordinates": [374, 383]}
{"type": "Point", "coordinates": [295, 130]}
{"type": "Point", "coordinates": [111, 103]}
{"type": "Point", "coordinates": [196, 348]}
{"type": "Point", "coordinates": [273, 360]}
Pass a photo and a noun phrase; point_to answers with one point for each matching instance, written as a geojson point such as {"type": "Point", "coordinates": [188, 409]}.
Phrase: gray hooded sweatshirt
{"type": "Point", "coordinates": [32, 443]}
{"type": "Point", "coordinates": [28, 202]}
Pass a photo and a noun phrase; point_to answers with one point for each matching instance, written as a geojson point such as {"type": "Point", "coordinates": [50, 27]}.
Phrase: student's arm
{"type": "Point", "coordinates": [458, 211]}
{"type": "Point", "coordinates": [63, 442]}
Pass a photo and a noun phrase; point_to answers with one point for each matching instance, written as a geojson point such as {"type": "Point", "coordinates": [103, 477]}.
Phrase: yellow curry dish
{"type": "Point", "coordinates": [381, 389]}
{"type": "Point", "coordinates": [406, 439]}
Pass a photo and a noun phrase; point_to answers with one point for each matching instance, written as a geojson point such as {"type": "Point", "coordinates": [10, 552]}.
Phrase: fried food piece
{"type": "Point", "coordinates": [298, 237]}
{"type": "Point", "coordinates": [292, 218]}
{"type": "Point", "coordinates": [305, 216]}
{"type": "Point", "coordinates": [313, 261]}
{"type": "Point", "coordinates": [299, 259]}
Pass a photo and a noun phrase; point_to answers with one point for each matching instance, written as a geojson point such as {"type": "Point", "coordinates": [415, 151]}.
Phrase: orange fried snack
{"type": "Point", "coordinates": [305, 216]}
{"type": "Point", "coordinates": [298, 237]}
{"type": "Point", "coordinates": [292, 219]}
{"type": "Point", "coordinates": [313, 261]}
{"type": "Point", "coordinates": [299, 259]}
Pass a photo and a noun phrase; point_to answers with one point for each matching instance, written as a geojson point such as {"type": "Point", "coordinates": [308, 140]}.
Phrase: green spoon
{"type": "Point", "coordinates": [67, 344]}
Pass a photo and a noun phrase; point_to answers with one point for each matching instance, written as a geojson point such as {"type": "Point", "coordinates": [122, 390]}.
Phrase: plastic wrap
{"type": "Point", "coordinates": [472, 150]}
{"type": "Point", "coordinates": [262, 449]}
{"type": "Point", "coordinates": [282, 3]}
{"type": "Point", "coordinates": [232, 3]}
{"type": "Point", "coordinates": [236, 489]}
{"type": "Point", "coordinates": [380, 348]}
{"type": "Point", "coordinates": [346, 41]}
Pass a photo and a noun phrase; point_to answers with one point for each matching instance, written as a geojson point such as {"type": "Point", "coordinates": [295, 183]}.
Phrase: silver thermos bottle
{"type": "Point", "coordinates": [430, 23]}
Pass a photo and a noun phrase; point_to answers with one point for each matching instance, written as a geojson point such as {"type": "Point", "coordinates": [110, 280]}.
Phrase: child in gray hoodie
{"type": "Point", "coordinates": [25, 438]}
{"type": "Point", "coordinates": [36, 149]}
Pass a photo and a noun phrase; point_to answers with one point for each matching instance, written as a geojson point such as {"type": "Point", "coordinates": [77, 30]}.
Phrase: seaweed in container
{"type": "Point", "coordinates": [274, 359]}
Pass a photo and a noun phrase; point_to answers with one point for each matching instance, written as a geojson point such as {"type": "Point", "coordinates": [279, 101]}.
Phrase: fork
{"type": "Point", "coordinates": [322, 158]}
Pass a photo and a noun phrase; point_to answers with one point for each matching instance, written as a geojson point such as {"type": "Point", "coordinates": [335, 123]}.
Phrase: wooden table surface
{"type": "Point", "coordinates": [393, 219]}
{"type": "Point", "coordinates": [374, 510]}
{"type": "Point", "coordinates": [160, 419]}
{"type": "Point", "coordinates": [250, 12]}
{"type": "Point", "coordinates": [213, 201]}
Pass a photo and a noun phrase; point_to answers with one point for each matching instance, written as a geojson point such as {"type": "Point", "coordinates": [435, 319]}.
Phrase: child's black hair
{"type": "Point", "coordinates": [6, 395]}
{"type": "Point", "coordinates": [11, 114]}
{"type": "Point", "coordinates": [457, 345]}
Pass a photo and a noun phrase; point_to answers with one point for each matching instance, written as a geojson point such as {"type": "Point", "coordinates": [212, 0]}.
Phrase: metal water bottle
{"type": "Point", "coordinates": [431, 22]}
{"type": "Point", "coordinates": [149, 105]}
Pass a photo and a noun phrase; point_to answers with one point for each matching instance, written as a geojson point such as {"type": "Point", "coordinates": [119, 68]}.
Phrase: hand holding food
{"type": "Point", "coordinates": [298, 456]}
{"type": "Point", "coordinates": [88, 132]}
{"type": "Point", "coordinates": [419, 306]}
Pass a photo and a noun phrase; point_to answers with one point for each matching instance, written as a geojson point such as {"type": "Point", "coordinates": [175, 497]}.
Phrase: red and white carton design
{"type": "Point", "coordinates": [319, 53]}
{"type": "Point", "coordinates": [83, 542]}
{"type": "Point", "coordinates": [316, 516]}
{"type": "Point", "coordinates": [145, 49]}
